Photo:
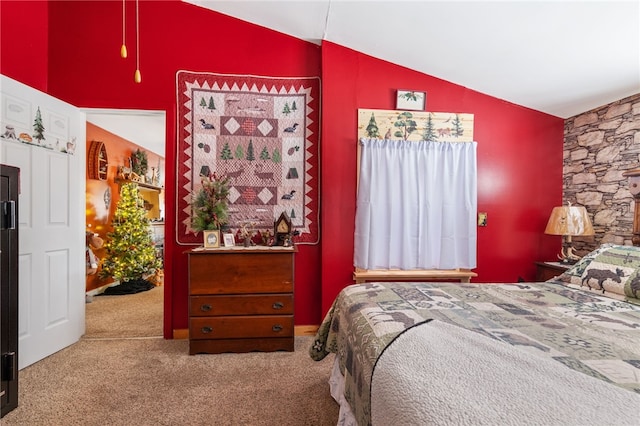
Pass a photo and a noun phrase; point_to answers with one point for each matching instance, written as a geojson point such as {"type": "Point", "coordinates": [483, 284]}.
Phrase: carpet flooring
{"type": "Point", "coordinates": [125, 316]}
{"type": "Point", "coordinates": [121, 373]}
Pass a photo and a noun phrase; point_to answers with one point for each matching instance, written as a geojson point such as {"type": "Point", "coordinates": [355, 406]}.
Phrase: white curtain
{"type": "Point", "coordinates": [417, 204]}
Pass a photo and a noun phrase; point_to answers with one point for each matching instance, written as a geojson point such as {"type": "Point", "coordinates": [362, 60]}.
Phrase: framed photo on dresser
{"type": "Point", "coordinates": [211, 239]}
{"type": "Point", "coordinates": [228, 240]}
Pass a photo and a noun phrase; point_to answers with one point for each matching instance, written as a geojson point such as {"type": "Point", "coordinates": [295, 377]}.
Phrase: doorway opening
{"type": "Point", "coordinates": [116, 142]}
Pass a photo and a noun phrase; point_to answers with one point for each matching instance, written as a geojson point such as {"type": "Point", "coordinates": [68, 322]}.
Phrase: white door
{"type": "Point", "coordinates": [51, 216]}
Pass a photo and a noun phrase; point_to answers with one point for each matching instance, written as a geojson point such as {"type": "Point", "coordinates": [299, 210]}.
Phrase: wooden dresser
{"type": "Point", "coordinates": [241, 299]}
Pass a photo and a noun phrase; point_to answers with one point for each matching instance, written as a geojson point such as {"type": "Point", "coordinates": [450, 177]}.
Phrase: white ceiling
{"type": "Point", "coordinates": [558, 57]}
{"type": "Point", "coordinates": [144, 128]}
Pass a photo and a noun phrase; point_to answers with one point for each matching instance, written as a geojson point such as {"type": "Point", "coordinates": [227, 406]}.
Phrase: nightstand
{"type": "Point", "coordinates": [547, 270]}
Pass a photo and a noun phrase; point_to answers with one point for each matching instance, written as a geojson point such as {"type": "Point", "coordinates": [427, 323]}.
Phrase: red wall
{"type": "Point", "coordinates": [519, 165]}
{"type": "Point", "coordinates": [519, 151]}
{"type": "Point", "coordinates": [85, 69]}
{"type": "Point", "coordinates": [23, 35]}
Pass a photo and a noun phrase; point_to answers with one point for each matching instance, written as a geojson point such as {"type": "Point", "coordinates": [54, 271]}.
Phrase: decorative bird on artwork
{"type": "Point", "coordinates": [206, 125]}
{"type": "Point", "coordinates": [289, 196]}
{"type": "Point", "coordinates": [292, 128]}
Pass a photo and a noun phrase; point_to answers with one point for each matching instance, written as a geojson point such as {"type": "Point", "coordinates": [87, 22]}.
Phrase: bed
{"type": "Point", "coordinates": [565, 351]}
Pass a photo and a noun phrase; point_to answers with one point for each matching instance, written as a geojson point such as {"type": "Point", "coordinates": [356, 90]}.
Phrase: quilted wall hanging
{"type": "Point", "coordinates": [262, 133]}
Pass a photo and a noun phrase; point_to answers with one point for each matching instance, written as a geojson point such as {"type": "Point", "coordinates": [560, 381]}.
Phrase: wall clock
{"type": "Point", "coordinates": [282, 230]}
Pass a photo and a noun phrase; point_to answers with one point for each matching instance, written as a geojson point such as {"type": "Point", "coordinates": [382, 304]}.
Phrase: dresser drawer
{"type": "Point", "coordinates": [240, 327]}
{"type": "Point", "coordinates": [237, 273]}
{"type": "Point", "coordinates": [265, 304]}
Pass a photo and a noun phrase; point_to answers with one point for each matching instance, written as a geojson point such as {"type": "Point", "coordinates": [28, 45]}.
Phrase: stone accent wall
{"type": "Point", "coordinates": [600, 145]}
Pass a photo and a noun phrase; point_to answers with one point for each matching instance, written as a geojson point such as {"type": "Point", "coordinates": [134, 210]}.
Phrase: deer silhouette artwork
{"type": "Point", "coordinates": [263, 175]}
{"type": "Point", "coordinates": [601, 275]}
{"type": "Point", "coordinates": [235, 174]}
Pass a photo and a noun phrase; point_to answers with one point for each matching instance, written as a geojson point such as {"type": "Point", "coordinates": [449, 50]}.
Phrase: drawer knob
{"type": "Point", "coordinates": [278, 305]}
{"type": "Point", "coordinates": [205, 308]}
{"type": "Point", "coordinates": [206, 329]}
{"type": "Point", "coordinates": [277, 327]}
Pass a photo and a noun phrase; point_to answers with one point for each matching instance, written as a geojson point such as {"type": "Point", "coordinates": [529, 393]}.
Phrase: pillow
{"type": "Point", "coordinates": [612, 270]}
{"type": "Point", "coordinates": [573, 275]}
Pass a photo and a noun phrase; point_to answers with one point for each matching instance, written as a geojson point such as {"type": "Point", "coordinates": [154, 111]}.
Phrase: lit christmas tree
{"type": "Point", "coordinates": [130, 252]}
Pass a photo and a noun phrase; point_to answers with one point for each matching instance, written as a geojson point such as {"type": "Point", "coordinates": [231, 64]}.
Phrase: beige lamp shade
{"type": "Point", "coordinates": [569, 220]}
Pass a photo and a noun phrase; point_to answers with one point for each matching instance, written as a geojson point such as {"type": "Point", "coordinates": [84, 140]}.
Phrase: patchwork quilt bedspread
{"type": "Point", "coordinates": [588, 333]}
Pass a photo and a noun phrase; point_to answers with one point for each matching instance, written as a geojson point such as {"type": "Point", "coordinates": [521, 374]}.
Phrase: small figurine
{"type": "Point", "coordinates": [10, 132]}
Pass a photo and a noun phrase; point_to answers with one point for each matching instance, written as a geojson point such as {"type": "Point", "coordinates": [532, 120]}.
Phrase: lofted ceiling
{"type": "Point", "coordinates": [559, 57]}
{"type": "Point", "coordinates": [144, 128]}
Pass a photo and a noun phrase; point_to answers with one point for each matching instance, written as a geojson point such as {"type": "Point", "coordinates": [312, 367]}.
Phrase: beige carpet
{"type": "Point", "coordinates": [129, 315]}
{"type": "Point", "coordinates": [142, 379]}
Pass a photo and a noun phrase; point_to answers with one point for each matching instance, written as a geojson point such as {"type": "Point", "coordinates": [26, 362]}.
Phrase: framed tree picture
{"type": "Point", "coordinates": [411, 100]}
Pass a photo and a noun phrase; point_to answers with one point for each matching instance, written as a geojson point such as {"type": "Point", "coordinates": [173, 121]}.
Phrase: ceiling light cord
{"type": "Point", "coordinates": [123, 48]}
{"type": "Point", "coordinates": [137, 77]}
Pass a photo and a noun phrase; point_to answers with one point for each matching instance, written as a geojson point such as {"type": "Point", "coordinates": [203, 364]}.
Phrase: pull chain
{"type": "Point", "coordinates": [137, 77]}
{"type": "Point", "coordinates": [123, 48]}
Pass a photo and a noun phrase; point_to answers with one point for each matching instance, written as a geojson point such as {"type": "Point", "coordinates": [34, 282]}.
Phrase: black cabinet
{"type": "Point", "coordinates": [9, 179]}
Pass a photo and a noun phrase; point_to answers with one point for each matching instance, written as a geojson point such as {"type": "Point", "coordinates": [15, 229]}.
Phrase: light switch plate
{"type": "Point", "coordinates": [482, 219]}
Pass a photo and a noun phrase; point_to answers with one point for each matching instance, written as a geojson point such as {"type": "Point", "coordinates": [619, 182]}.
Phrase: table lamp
{"type": "Point", "coordinates": [569, 221]}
